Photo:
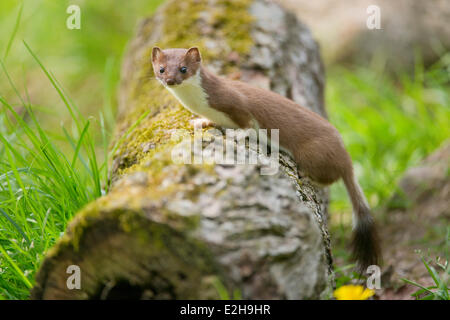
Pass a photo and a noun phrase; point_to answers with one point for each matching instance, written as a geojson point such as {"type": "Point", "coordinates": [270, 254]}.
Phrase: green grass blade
{"type": "Point", "coordinates": [13, 35]}
{"type": "Point", "coordinates": [19, 229]}
{"type": "Point", "coordinates": [74, 147]}
{"type": "Point", "coordinates": [55, 85]}
{"type": "Point", "coordinates": [221, 290]}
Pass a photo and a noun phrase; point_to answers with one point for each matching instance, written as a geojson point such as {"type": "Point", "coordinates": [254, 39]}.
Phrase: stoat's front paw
{"type": "Point", "coordinates": [201, 123]}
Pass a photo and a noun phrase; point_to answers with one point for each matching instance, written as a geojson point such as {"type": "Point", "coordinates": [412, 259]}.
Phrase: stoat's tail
{"type": "Point", "coordinates": [365, 242]}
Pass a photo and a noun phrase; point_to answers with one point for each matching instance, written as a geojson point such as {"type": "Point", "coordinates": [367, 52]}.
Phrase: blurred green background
{"type": "Point", "coordinates": [389, 121]}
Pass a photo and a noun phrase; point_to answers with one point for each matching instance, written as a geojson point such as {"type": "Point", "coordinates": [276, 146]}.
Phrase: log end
{"type": "Point", "coordinates": [124, 254]}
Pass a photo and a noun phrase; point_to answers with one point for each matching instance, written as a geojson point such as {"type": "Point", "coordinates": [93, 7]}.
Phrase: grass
{"type": "Point", "coordinates": [440, 277]}
{"type": "Point", "coordinates": [389, 123]}
{"type": "Point", "coordinates": [86, 61]}
{"type": "Point", "coordinates": [46, 174]}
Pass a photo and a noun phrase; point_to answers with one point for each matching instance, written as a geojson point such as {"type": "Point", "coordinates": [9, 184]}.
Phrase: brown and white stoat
{"type": "Point", "coordinates": [315, 144]}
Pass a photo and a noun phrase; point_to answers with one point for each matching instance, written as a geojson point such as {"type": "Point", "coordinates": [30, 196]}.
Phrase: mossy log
{"type": "Point", "coordinates": [177, 231]}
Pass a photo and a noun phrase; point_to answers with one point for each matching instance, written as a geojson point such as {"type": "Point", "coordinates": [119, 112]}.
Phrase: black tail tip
{"type": "Point", "coordinates": [365, 245]}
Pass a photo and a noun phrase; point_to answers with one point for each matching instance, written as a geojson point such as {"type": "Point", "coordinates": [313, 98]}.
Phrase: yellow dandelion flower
{"type": "Point", "coordinates": [353, 292]}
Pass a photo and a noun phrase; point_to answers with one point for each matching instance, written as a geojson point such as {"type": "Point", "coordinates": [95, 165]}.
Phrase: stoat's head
{"type": "Point", "coordinates": [173, 66]}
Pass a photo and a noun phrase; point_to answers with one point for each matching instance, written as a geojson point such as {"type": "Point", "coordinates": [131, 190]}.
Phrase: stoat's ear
{"type": "Point", "coordinates": [156, 54]}
{"type": "Point", "coordinates": [193, 54]}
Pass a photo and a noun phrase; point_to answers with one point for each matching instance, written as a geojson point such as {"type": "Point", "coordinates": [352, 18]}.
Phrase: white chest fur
{"type": "Point", "coordinates": [192, 96]}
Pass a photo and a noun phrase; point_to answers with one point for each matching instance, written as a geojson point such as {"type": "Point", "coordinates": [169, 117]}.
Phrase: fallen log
{"type": "Point", "coordinates": [183, 231]}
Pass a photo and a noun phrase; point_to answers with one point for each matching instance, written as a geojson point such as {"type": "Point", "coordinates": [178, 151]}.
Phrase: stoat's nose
{"type": "Point", "coordinates": [170, 82]}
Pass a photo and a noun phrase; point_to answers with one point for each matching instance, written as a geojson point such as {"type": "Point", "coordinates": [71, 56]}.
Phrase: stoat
{"type": "Point", "coordinates": [315, 144]}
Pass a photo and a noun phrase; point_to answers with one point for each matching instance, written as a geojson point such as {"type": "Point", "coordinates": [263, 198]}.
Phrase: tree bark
{"type": "Point", "coordinates": [183, 231]}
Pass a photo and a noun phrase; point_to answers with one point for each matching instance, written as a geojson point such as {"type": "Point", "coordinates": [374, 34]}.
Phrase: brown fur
{"type": "Point", "coordinates": [315, 144]}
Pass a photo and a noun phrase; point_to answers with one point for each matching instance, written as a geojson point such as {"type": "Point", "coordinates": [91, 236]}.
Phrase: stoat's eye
{"type": "Point", "coordinates": [161, 70]}
{"type": "Point", "coordinates": [183, 69]}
